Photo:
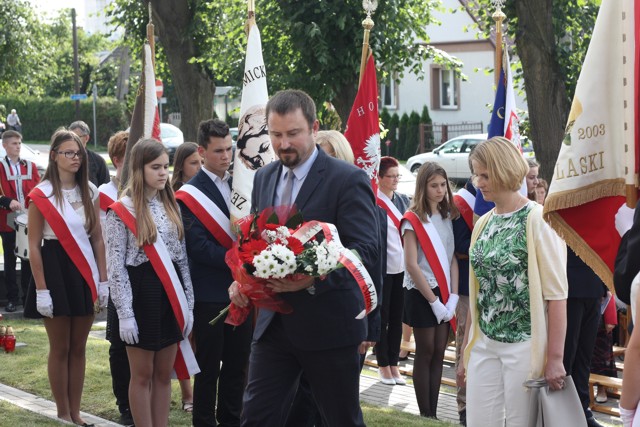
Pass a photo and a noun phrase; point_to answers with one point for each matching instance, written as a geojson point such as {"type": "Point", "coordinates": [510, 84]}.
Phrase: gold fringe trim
{"type": "Point", "coordinates": [581, 248]}
{"type": "Point", "coordinates": [580, 196]}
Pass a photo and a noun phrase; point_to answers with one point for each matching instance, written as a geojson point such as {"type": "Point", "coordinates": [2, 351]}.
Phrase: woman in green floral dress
{"type": "Point", "coordinates": [517, 294]}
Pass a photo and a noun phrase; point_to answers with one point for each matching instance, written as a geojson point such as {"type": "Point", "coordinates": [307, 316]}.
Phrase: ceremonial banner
{"type": "Point", "coordinates": [253, 149]}
{"type": "Point", "coordinates": [145, 121]}
{"type": "Point", "coordinates": [598, 153]}
{"type": "Point", "coordinates": [363, 127]}
{"type": "Point", "coordinates": [504, 122]}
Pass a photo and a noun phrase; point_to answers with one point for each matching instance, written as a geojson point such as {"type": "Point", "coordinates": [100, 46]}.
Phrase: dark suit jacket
{"type": "Point", "coordinates": [98, 171]}
{"type": "Point", "coordinates": [209, 273]}
{"type": "Point", "coordinates": [341, 194]}
{"type": "Point", "coordinates": [628, 260]}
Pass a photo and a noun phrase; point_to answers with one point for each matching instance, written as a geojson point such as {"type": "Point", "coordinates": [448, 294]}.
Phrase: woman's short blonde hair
{"type": "Point", "coordinates": [505, 164]}
{"type": "Point", "coordinates": [335, 145]}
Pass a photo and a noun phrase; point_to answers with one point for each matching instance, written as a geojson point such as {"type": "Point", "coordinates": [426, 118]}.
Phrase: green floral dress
{"type": "Point", "coordinates": [499, 259]}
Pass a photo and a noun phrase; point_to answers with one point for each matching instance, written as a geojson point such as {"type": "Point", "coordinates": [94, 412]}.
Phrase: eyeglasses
{"type": "Point", "coordinates": [393, 176]}
{"type": "Point", "coordinates": [71, 154]}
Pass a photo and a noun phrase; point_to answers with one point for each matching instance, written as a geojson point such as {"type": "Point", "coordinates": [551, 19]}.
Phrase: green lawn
{"type": "Point", "coordinates": [26, 369]}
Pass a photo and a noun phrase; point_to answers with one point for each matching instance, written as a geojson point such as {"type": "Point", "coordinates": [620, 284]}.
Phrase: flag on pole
{"type": "Point", "coordinates": [504, 121]}
{"type": "Point", "coordinates": [598, 155]}
{"type": "Point", "coordinates": [253, 147]}
{"type": "Point", "coordinates": [363, 127]}
{"type": "Point", "coordinates": [145, 121]}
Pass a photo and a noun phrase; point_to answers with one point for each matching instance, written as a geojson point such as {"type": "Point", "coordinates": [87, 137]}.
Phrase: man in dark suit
{"type": "Point", "coordinates": [210, 189]}
{"type": "Point", "coordinates": [320, 338]}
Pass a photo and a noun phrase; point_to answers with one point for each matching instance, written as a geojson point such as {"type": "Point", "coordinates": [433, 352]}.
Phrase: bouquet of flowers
{"type": "Point", "coordinates": [277, 244]}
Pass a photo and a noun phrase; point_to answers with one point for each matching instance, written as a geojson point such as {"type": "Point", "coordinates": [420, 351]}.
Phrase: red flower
{"type": "Point", "coordinates": [250, 249]}
{"type": "Point", "coordinates": [244, 225]}
{"type": "Point", "coordinates": [272, 227]}
{"type": "Point", "coordinates": [295, 245]}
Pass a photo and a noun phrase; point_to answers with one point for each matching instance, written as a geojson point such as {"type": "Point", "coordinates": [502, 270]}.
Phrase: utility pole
{"type": "Point", "coordinates": [76, 75]}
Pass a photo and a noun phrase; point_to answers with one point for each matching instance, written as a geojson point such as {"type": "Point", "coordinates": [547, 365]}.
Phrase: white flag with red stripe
{"type": "Point", "coordinates": [598, 155]}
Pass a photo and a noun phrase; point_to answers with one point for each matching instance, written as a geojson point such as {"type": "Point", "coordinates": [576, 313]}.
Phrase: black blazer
{"type": "Point", "coordinates": [341, 194]}
{"type": "Point", "coordinates": [628, 260]}
{"type": "Point", "coordinates": [210, 275]}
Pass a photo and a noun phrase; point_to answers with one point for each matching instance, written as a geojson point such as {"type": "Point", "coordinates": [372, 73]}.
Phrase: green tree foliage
{"type": "Point", "coordinates": [60, 81]}
{"type": "Point", "coordinates": [41, 116]}
{"type": "Point", "coordinates": [402, 137]}
{"type": "Point", "coordinates": [307, 44]}
{"type": "Point", "coordinates": [413, 138]}
{"type": "Point", "coordinates": [429, 139]}
{"type": "Point", "coordinates": [551, 41]}
{"type": "Point", "coordinates": [36, 56]}
{"type": "Point", "coordinates": [394, 123]}
{"type": "Point", "coordinates": [23, 44]}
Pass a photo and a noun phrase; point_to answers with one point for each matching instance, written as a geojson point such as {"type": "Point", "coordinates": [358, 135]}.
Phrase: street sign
{"type": "Point", "coordinates": [159, 88]}
{"type": "Point", "coordinates": [78, 96]}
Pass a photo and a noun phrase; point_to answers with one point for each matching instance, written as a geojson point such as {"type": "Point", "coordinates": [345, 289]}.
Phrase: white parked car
{"type": "Point", "coordinates": [172, 138]}
{"type": "Point", "coordinates": [39, 159]}
{"type": "Point", "coordinates": [453, 155]}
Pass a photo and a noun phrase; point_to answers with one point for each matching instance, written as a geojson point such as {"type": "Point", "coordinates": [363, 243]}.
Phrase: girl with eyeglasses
{"type": "Point", "coordinates": [395, 205]}
{"type": "Point", "coordinates": [67, 258]}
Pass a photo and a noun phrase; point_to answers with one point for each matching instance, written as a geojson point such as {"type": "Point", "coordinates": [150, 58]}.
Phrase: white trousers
{"type": "Point", "coordinates": [495, 394]}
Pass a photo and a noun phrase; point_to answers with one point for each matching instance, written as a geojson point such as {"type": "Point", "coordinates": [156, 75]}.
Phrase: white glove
{"type": "Point", "coordinates": [439, 310]}
{"type": "Point", "coordinates": [44, 304]}
{"type": "Point", "coordinates": [188, 327]}
{"type": "Point", "coordinates": [103, 294]}
{"type": "Point", "coordinates": [624, 219]}
{"type": "Point", "coordinates": [626, 415]}
{"type": "Point", "coordinates": [129, 330]}
{"type": "Point", "coordinates": [451, 305]}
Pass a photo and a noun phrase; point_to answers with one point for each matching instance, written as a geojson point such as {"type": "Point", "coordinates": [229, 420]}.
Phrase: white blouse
{"type": "Point", "coordinates": [123, 251]}
{"type": "Point", "coordinates": [74, 197]}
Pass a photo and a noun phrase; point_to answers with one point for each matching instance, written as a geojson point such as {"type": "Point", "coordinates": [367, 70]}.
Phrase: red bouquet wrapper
{"type": "Point", "coordinates": [254, 288]}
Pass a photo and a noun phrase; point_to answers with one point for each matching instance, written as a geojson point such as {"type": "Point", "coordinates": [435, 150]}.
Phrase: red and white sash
{"type": "Point", "coordinates": [208, 213]}
{"type": "Point", "coordinates": [185, 364]}
{"type": "Point", "coordinates": [347, 258]}
{"type": "Point", "coordinates": [465, 201]}
{"type": "Point", "coordinates": [108, 195]}
{"type": "Point", "coordinates": [393, 213]}
{"type": "Point", "coordinates": [435, 253]}
{"type": "Point", "coordinates": [68, 227]}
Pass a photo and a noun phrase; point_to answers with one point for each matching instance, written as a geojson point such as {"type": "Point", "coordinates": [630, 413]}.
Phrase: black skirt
{"type": "Point", "coordinates": [157, 325]}
{"type": "Point", "coordinates": [417, 311]}
{"type": "Point", "coordinates": [69, 291]}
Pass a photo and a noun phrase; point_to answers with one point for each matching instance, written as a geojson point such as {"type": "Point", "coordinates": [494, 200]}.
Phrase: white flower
{"type": "Point", "coordinates": [327, 256]}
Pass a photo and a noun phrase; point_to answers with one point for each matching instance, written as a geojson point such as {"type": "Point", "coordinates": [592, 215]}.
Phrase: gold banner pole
{"type": "Point", "coordinates": [498, 16]}
{"type": "Point", "coordinates": [369, 7]}
{"type": "Point", "coordinates": [151, 37]}
{"type": "Point", "coordinates": [251, 16]}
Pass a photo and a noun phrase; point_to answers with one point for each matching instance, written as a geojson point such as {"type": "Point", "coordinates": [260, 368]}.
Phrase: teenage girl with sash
{"type": "Point", "coordinates": [69, 271]}
{"type": "Point", "coordinates": [431, 279]}
{"type": "Point", "coordinates": [150, 280]}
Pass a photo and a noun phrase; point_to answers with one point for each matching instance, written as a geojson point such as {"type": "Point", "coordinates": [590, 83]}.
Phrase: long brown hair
{"type": "Point", "coordinates": [184, 150]}
{"type": "Point", "coordinates": [420, 203]}
{"type": "Point", "coordinates": [144, 152]}
{"type": "Point", "coordinates": [81, 176]}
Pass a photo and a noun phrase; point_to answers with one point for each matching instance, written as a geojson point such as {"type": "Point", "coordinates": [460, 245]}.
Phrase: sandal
{"type": "Point", "coordinates": [187, 406]}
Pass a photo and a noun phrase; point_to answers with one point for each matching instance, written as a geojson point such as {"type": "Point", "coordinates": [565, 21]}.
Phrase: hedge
{"type": "Point", "coordinates": [40, 117]}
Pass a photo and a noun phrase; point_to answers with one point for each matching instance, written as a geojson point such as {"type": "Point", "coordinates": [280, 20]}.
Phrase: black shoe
{"type": "Point", "coordinates": [592, 422]}
{"type": "Point", "coordinates": [10, 308]}
{"type": "Point", "coordinates": [126, 419]}
{"type": "Point", "coordinates": [463, 417]}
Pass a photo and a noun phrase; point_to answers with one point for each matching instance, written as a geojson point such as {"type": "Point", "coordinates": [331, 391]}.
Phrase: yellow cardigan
{"type": "Point", "coordinates": [547, 257]}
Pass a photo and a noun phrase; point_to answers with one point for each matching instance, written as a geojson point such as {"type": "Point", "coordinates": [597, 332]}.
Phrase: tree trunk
{"type": "Point", "coordinates": [194, 88]}
{"type": "Point", "coordinates": [343, 102]}
{"type": "Point", "coordinates": [546, 92]}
